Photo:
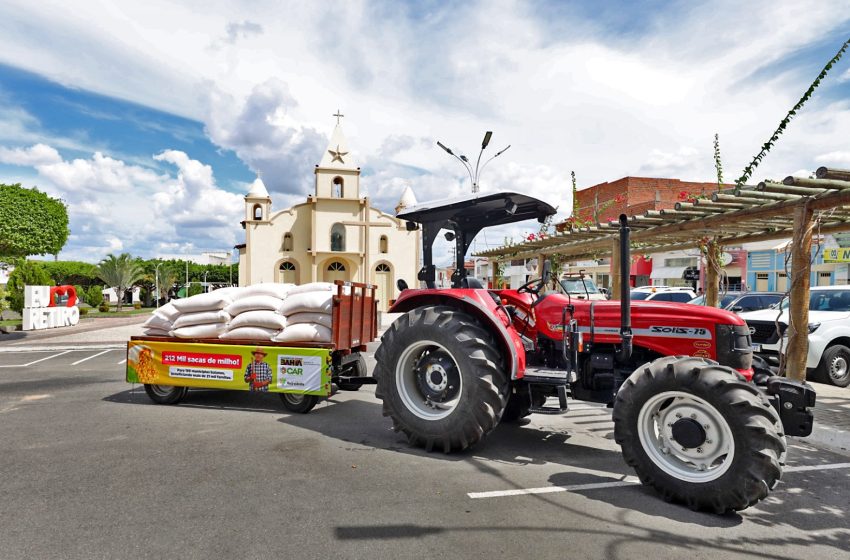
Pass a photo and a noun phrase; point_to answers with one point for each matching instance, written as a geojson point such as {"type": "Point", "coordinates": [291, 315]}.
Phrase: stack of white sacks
{"type": "Point", "coordinates": [262, 312]}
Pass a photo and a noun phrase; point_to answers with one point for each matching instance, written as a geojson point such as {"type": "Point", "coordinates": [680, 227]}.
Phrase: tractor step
{"type": "Point", "coordinates": [545, 375]}
{"type": "Point", "coordinates": [562, 403]}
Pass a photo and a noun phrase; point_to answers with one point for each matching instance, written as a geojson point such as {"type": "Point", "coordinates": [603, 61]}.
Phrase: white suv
{"type": "Point", "coordinates": [663, 293]}
{"type": "Point", "coordinates": [829, 333]}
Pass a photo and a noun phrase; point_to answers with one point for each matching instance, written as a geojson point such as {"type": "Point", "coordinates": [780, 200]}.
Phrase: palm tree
{"type": "Point", "coordinates": [167, 278]}
{"type": "Point", "coordinates": [120, 273]}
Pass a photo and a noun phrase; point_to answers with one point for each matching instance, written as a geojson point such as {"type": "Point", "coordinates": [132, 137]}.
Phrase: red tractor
{"type": "Point", "coordinates": [687, 413]}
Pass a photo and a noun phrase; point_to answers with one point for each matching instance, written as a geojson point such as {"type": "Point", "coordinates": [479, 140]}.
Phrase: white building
{"type": "Point", "coordinates": [334, 235]}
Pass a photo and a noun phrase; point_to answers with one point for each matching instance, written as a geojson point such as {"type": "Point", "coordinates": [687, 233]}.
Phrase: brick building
{"type": "Point", "coordinates": [635, 195]}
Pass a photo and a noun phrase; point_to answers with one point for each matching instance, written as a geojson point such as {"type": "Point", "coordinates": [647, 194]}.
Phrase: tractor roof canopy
{"type": "Point", "coordinates": [466, 216]}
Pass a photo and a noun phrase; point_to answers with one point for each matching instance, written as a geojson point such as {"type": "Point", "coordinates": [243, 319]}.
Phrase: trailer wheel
{"type": "Point", "coordinates": [834, 366]}
{"type": "Point", "coordinates": [358, 369]}
{"type": "Point", "coordinates": [165, 394]}
{"type": "Point", "coordinates": [699, 434]}
{"type": "Point", "coordinates": [441, 379]}
{"type": "Point", "coordinates": [300, 404]}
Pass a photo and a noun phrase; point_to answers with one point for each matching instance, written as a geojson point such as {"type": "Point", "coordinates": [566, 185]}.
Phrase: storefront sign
{"type": "Point", "coordinates": [836, 255]}
{"type": "Point", "coordinates": [227, 366]}
{"type": "Point", "coordinates": [40, 309]}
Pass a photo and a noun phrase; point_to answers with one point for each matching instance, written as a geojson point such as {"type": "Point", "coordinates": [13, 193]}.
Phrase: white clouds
{"type": "Point", "coordinates": [603, 103]}
{"type": "Point", "coordinates": [40, 154]}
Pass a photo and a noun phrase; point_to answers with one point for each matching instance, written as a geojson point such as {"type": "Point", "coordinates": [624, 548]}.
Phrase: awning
{"type": "Point", "coordinates": [668, 272]}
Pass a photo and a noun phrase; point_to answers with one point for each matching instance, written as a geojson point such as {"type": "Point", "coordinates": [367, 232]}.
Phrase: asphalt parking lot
{"type": "Point", "coordinates": [93, 469]}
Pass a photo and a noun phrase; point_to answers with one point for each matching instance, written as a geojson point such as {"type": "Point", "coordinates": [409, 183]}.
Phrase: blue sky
{"type": "Point", "coordinates": [150, 120]}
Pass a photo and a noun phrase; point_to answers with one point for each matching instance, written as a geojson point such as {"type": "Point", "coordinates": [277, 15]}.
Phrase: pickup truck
{"type": "Point", "coordinates": [828, 360]}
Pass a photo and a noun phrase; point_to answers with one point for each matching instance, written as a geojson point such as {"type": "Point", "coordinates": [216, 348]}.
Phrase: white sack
{"type": "Point", "coordinates": [210, 330]}
{"type": "Point", "coordinates": [167, 311]}
{"type": "Point", "coordinates": [264, 318]}
{"type": "Point", "coordinates": [318, 302]}
{"type": "Point", "coordinates": [201, 318]}
{"type": "Point", "coordinates": [233, 292]}
{"type": "Point", "coordinates": [155, 332]}
{"type": "Point", "coordinates": [267, 289]}
{"type": "Point", "coordinates": [157, 322]}
{"type": "Point", "coordinates": [304, 332]}
{"type": "Point", "coordinates": [203, 302]}
{"type": "Point", "coordinates": [324, 319]}
{"type": "Point", "coordinates": [253, 303]}
{"type": "Point", "coordinates": [317, 287]}
{"type": "Point", "coordinates": [249, 333]}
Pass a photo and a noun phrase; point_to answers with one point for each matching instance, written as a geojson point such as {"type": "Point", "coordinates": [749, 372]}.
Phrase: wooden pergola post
{"type": "Point", "coordinates": [494, 279]}
{"type": "Point", "coordinates": [615, 270]}
{"type": "Point", "coordinates": [798, 308]}
{"type": "Point", "coordinates": [712, 265]}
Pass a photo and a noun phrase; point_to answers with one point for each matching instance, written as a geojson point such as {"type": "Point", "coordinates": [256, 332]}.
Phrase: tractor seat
{"type": "Point", "coordinates": [472, 283]}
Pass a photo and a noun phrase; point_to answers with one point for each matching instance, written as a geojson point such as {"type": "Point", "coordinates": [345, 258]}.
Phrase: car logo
{"type": "Point", "coordinates": [752, 330]}
{"type": "Point", "coordinates": [702, 344]}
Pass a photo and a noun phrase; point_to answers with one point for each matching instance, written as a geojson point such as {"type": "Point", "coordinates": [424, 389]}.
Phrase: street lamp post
{"type": "Point", "coordinates": [206, 287]}
{"type": "Point", "coordinates": [156, 280]}
{"type": "Point", "coordinates": [475, 174]}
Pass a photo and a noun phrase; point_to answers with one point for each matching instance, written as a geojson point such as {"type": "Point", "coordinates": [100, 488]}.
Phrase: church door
{"type": "Point", "coordinates": [288, 273]}
{"type": "Point", "coordinates": [384, 281]}
{"type": "Point", "coordinates": [335, 271]}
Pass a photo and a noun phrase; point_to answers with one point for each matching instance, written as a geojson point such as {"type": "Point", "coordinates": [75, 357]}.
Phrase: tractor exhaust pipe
{"type": "Point", "coordinates": [625, 352]}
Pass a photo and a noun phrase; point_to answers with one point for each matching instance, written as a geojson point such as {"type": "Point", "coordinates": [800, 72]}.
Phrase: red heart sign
{"type": "Point", "coordinates": [60, 291]}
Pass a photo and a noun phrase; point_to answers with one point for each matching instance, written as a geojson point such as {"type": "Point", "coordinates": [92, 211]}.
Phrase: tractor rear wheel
{"type": "Point", "coordinates": [699, 433]}
{"type": "Point", "coordinates": [440, 376]}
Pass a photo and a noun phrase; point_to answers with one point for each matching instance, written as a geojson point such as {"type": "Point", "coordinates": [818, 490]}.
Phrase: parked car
{"type": "Point", "coordinates": [828, 360]}
{"type": "Point", "coordinates": [663, 293]}
{"type": "Point", "coordinates": [581, 287]}
{"type": "Point", "coordinates": [744, 301]}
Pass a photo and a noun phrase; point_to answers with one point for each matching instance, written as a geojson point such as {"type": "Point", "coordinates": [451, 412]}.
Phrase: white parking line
{"type": "Point", "coordinates": [626, 481]}
{"type": "Point", "coordinates": [39, 360]}
{"type": "Point", "coordinates": [90, 357]}
{"type": "Point", "coordinates": [124, 361]}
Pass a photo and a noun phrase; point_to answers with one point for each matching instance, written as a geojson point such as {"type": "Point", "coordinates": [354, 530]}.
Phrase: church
{"type": "Point", "coordinates": [334, 235]}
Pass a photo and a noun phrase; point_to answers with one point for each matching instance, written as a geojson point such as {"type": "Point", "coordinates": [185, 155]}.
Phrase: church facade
{"type": "Point", "coordinates": [334, 235]}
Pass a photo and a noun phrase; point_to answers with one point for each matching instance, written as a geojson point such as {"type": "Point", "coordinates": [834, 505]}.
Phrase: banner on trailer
{"type": "Point", "coordinates": [224, 366]}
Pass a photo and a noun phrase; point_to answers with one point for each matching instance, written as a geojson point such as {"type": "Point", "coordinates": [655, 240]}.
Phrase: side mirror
{"type": "Point", "coordinates": [737, 308]}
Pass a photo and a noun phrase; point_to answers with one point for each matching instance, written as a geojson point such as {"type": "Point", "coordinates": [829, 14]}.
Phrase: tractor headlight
{"type": "Point", "coordinates": [813, 327]}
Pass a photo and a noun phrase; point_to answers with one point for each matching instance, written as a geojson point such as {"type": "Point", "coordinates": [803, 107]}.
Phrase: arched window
{"type": "Point", "coordinates": [338, 237]}
{"type": "Point", "coordinates": [382, 268]}
{"type": "Point", "coordinates": [384, 244]}
{"type": "Point", "coordinates": [337, 190]}
{"type": "Point", "coordinates": [287, 241]}
{"type": "Point", "coordinates": [258, 212]}
{"type": "Point", "coordinates": [336, 266]}
{"type": "Point", "coordinates": [288, 273]}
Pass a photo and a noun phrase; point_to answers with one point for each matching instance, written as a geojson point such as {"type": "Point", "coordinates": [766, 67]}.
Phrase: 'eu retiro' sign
{"type": "Point", "coordinates": [41, 311]}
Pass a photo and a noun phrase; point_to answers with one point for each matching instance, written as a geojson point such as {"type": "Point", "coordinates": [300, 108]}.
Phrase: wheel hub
{"type": "Point", "coordinates": [839, 367]}
{"type": "Point", "coordinates": [434, 374]}
{"type": "Point", "coordinates": [688, 433]}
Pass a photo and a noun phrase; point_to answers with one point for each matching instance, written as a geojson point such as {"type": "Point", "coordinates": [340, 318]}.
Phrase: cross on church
{"type": "Point", "coordinates": [338, 115]}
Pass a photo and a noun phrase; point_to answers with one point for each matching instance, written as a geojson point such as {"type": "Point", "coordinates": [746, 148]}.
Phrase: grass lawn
{"type": "Point", "coordinates": [126, 311]}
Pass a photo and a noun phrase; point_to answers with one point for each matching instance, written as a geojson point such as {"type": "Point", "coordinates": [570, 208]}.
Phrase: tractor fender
{"type": "Point", "coordinates": [479, 304]}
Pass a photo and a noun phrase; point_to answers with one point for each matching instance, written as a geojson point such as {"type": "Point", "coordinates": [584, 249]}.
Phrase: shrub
{"type": "Point", "coordinates": [3, 303]}
{"type": "Point", "coordinates": [103, 307]}
{"type": "Point", "coordinates": [137, 305]}
{"type": "Point", "coordinates": [93, 295]}
{"type": "Point", "coordinates": [26, 273]}
{"type": "Point", "coordinates": [195, 289]}
{"type": "Point", "coordinates": [84, 311]}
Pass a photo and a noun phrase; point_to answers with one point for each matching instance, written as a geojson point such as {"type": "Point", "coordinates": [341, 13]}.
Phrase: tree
{"type": "Point", "coordinates": [26, 273]}
{"type": "Point", "coordinates": [167, 278]}
{"type": "Point", "coordinates": [72, 272]}
{"type": "Point", "coordinates": [31, 223]}
{"type": "Point", "coordinates": [120, 273]}
{"type": "Point", "coordinates": [93, 295]}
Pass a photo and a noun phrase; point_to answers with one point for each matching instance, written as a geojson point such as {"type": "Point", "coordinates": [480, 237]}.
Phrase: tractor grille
{"type": "Point", "coordinates": [764, 332]}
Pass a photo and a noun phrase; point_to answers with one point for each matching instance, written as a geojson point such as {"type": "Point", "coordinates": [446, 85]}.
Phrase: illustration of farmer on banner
{"type": "Point", "coordinates": [258, 374]}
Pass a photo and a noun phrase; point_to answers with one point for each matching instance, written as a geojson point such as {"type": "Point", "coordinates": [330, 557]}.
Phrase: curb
{"type": "Point", "coordinates": [829, 437]}
{"type": "Point", "coordinates": [56, 347]}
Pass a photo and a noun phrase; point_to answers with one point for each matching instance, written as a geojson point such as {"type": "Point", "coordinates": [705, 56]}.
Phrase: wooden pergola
{"type": "Point", "coordinates": [796, 208]}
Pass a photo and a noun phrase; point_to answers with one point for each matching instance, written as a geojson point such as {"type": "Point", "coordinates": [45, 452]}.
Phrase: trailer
{"type": "Point", "coordinates": [301, 372]}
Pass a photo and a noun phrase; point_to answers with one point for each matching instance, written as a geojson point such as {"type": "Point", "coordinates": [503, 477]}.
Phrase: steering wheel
{"type": "Point", "coordinates": [534, 286]}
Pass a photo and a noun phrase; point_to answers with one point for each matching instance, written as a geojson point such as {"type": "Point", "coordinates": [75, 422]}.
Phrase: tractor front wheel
{"type": "Point", "coordinates": [699, 433]}
{"type": "Point", "coordinates": [440, 376]}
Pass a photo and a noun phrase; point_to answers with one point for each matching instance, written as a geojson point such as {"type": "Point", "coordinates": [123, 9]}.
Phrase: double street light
{"type": "Point", "coordinates": [476, 173]}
